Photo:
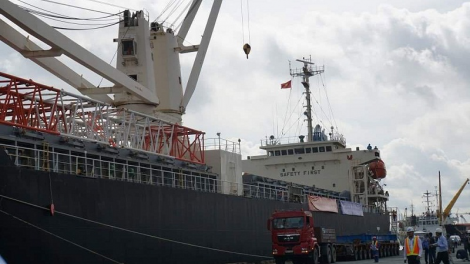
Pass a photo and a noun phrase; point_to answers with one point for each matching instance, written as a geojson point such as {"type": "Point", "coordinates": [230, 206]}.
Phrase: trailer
{"type": "Point", "coordinates": [357, 247]}
{"type": "Point", "coordinates": [295, 238]}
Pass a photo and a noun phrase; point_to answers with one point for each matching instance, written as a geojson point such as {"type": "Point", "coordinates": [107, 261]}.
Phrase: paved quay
{"type": "Point", "coordinates": [386, 260]}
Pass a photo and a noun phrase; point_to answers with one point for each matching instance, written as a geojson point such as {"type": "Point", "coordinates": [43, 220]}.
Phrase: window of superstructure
{"type": "Point", "coordinates": [299, 151]}
{"type": "Point", "coordinates": [315, 150]}
{"type": "Point", "coordinates": [308, 150]}
{"type": "Point", "coordinates": [328, 148]}
{"type": "Point", "coordinates": [270, 153]}
{"type": "Point", "coordinates": [277, 153]}
{"type": "Point", "coordinates": [129, 47]}
{"type": "Point", "coordinates": [321, 149]}
{"type": "Point", "coordinates": [283, 152]}
{"type": "Point", "coordinates": [290, 151]}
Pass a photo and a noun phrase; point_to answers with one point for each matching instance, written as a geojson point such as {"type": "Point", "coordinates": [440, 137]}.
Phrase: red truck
{"type": "Point", "coordinates": [295, 238]}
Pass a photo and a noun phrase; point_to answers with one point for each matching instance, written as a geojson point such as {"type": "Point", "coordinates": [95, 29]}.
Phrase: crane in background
{"type": "Point", "coordinates": [447, 210]}
{"type": "Point", "coordinates": [461, 216]}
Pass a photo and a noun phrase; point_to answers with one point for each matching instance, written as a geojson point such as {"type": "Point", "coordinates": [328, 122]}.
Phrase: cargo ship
{"type": "Point", "coordinates": [90, 179]}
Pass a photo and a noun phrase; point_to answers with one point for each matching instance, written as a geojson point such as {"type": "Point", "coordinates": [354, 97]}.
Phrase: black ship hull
{"type": "Point", "coordinates": [108, 221]}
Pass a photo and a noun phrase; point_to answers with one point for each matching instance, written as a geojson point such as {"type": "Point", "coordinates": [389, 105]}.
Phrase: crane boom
{"type": "Point", "coordinates": [62, 45]}
{"type": "Point", "coordinates": [24, 45]}
{"type": "Point", "coordinates": [446, 211]}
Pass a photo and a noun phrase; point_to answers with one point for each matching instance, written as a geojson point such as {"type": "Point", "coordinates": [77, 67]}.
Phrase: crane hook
{"type": "Point", "coordinates": [247, 49]}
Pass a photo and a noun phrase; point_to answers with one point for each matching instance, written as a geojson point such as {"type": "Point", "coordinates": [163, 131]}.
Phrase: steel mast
{"type": "Point", "coordinates": [307, 71]}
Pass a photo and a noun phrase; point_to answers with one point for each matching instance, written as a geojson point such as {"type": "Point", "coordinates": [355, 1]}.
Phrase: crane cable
{"type": "Point", "coordinates": [246, 46]}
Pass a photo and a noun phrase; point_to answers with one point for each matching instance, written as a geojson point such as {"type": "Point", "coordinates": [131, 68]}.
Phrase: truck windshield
{"type": "Point", "coordinates": [286, 223]}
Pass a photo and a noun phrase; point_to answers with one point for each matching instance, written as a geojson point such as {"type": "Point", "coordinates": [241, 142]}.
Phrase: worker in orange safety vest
{"type": "Point", "coordinates": [413, 247]}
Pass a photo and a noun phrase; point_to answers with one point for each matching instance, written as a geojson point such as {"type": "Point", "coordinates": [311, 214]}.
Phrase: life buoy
{"type": "Point", "coordinates": [349, 157]}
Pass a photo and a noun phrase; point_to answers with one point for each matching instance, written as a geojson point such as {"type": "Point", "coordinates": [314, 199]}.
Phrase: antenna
{"type": "Point", "coordinates": [307, 71]}
{"type": "Point", "coordinates": [427, 202]}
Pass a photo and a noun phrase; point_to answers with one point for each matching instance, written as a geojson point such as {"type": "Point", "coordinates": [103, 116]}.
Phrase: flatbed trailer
{"type": "Point", "coordinates": [357, 247]}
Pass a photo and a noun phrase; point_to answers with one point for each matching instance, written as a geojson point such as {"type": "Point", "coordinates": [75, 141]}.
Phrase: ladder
{"type": "Point", "coordinates": [393, 211]}
{"type": "Point", "coordinates": [45, 156]}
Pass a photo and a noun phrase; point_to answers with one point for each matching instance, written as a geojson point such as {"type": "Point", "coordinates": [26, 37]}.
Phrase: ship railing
{"type": "Point", "coordinates": [87, 165]}
{"type": "Point", "coordinates": [292, 140]}
{"type": "Point", "coordinates": [222, 144]}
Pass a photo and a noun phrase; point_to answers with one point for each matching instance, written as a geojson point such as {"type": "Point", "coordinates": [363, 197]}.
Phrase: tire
{"type": "Point", "coordinates": [315, 259]}
{"type": "Point", "coordinates": [327, 256]}
{"type": "Point", "coordinates": [333, 254]}
{"type": "Point", "coordinates": [279, 260]}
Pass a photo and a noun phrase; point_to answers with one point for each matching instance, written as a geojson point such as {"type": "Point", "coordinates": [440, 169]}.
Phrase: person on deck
{"type": "Point", "coordinates": [374, 249]}
{"type": "Point", "coordinates": [442, 248]}
{"type": "Point", "coordinates": [413, 247]}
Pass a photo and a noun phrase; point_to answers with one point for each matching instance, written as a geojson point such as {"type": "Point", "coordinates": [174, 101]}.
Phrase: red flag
{"type": "Point", "coordinates": [286, 85]}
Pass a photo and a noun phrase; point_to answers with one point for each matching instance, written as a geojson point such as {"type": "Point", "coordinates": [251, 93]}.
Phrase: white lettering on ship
{"type": "Point", "coordinates": [298, 173]}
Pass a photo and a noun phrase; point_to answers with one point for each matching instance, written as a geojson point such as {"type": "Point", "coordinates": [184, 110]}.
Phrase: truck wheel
{"type": "Point", "coordinates": [327, 256]}
{"type": "Point", "coordinates": [333, 255]}
{"type": "Point", "coordinates": [279, 260]}
{"type": "Point", "coordinates": [315, 256]}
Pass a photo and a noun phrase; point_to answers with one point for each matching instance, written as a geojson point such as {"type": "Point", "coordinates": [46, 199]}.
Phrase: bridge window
{"type": "Point", "coordinates": [277, 153]}
{"type": "Point", "coordinates": [129, 47]}
{"type": "Point", "coordinates": [328, 148]}
{"type": "Point", "coordinates": [321, 149]}
{"type": "Point", "coordinates": [308, 150]}
{"type": "Point", "coordinates": [283, 152]}
{"type": "Point", "coordinates": [290, 151]}
{"type": "Point", "coordinates": [299, 151]}
{"type": "Point", "coordinates": [315, 150]}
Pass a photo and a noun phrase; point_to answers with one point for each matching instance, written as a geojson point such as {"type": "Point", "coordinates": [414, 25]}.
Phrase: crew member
{"type": "Point", "coordinates": [374, 249]}
{"type": "Point", "coordinates": [466, 242]}
{"type": "Point", "coordinates": [442, 248]}
{"type": "Point", "coordinates": [426, 248]}
{"type": "Point", "coordinates": [413, 247]}
{"type": "Point", "coordinates": [432, 249]}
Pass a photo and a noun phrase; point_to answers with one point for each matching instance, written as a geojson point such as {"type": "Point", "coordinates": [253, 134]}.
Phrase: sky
{"type": "Point", "coordinates": [396, 77]}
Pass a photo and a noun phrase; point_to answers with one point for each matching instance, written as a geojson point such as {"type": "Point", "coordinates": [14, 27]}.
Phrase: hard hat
{"type": "Point", "coordinates": [438, 230]}
{"type": "Point", "coordinates": [409, 229]}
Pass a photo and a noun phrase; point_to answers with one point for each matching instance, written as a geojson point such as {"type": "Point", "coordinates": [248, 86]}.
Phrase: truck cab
{"type": "Point", "coordinates": [292, 235]}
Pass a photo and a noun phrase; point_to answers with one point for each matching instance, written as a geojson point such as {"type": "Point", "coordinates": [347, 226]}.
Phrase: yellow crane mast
{"type": "Point", "coordinates": [446, 211]}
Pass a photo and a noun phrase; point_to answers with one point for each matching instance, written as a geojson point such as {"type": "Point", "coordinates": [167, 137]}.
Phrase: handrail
{"type": "Point", "coordinates": [144, 173]}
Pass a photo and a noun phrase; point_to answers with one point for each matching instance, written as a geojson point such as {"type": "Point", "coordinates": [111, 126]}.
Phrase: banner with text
{"type": "Point", "coordinates": [350, 208]}
{"type": "Point", "coordinates": [322, 204]}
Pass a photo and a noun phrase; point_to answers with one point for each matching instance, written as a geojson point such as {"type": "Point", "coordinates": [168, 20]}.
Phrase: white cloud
{"type": "Point", "coordinates": [396, 76]}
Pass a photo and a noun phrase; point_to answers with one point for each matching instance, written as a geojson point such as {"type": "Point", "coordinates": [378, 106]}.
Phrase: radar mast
{"type": "Point", "coordinates": [307, 71]}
